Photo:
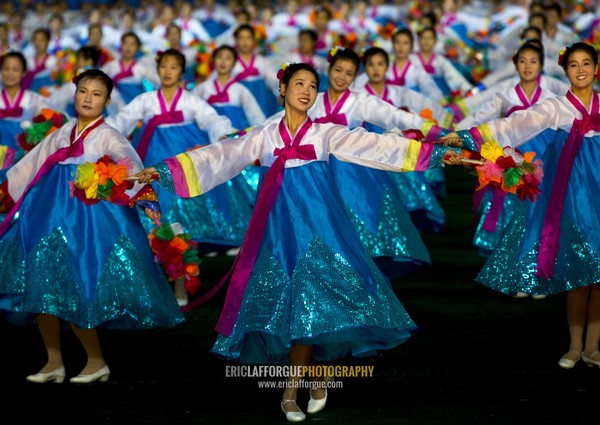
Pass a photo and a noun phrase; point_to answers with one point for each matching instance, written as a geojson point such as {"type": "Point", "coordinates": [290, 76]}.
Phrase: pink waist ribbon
{"type": "Point", "coordinates": [244, 262]}
{"type": "Point", "coordinates": [73, 150]}
{"type": "Point", "coordinates": [173, 117]}
{"type": "Point", "coordinates": [11, 112]}
{"type": "Point", "coordinates": [333, 119]}
{"type": "Point", "coordinates": [122, 75]}
{"type": "Point", "coordinates": [496, 206]}
{"type": "Point", "coordinates": [550, 236]}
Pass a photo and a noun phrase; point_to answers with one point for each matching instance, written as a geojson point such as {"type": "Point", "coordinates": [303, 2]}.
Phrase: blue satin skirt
{"type": "Point", "coordinates": [313, 282]}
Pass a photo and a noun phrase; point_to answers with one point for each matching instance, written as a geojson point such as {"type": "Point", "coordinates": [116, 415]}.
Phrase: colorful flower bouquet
{"type": "Point", "coordinates": [43, 125]}
{"type": "Point", "coordinates": [104, 180]}
{"type": "Point", "coordinates": [508, 169]}
{"type": "Point", "coordinates": [176, 254]}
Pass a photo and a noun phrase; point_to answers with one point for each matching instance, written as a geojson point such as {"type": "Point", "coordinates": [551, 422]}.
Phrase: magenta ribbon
{"type": "Point", "coordinates": [307, 59]}
{"type": "Point", "coordinates": [73, 150]}
{"type": "Point", "coordinates": [427, 66]}
{"type": "Point", "coordinates": [332, 114]}
{"type": "Point", "coordinates": [244, 262]}
{"type": "Point", "coordinates": [291, 21]}
{"type": "Point", "coordinates": [12, 110]}
{"type": "Point", "coordinates": [248, 71]}
{"type": "Point", "coordinates": [385, 95]}
{"type": "Point", "coordinates": [550, 236]}
{"type": "Point", "coordinates": [525, 103]}
{"type": "Point", "coordinates": [30, 75]}
{"type": "Point", "coordinates": [125, 72]}
{"type": "Point", "coordinates": [399, 78]}
{"type": "Point", "coordinates": [170, 116]}
{"type": "Point", "coordinates": [221, 95]}
{"type": "Point", "coordinates": [496, 206]}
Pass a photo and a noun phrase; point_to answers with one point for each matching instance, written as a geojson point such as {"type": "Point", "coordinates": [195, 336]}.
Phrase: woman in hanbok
{"type": "Point", "coordinates": [63, 98]}
{"type": "Point", "coordinates": [494, 207]}
{"type": "Point", "coordinates": [236, 102]}
{"type": "Point", "coordinates": [553, 245]}
{"type": "Point", "coordinates": [449, 79]}
{"type": "Point", "coordinates": [303, 288]}
{"type": "Point", "coordinates": [17, 105]}
{"type": "Point", "coordinates": [40, 64]}
{"type": "Point", "coordinates": [383, 222]}
{"type": "Point", "coordinates": [414, 191]}
{"type": "Point", "coordinates": [174, 120]}
{"type": "Point", "coordinates": [407, 73]}
{"type": "Point", "coordinates": [306, 53]}
{"type": "Point", "coordinates": [129, 75]}
{"type": "Point", "coordinates": [64, 260]}
{"type": "Point", "coordinates": [254, 72]}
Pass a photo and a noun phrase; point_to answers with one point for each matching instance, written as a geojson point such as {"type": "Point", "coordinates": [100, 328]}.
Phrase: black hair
{"type": "Point", "coordinates": [173, 53]}
{"type": "Point", "coordinates": [374, 51]}
{"type": "Point", "coordinates": [17, 55]}
{"type": "Point", "coordinates": [590, 50]}
{"type": "Point", "coordinates": [91, 53]}
{"type": "Point", "coordinates": [324, 9]}
{"type": "Point", "coordinates": [95, 74]}
{"type": "Point", "coordinates": [426, 29]}
{"type": "Point", "coordinates": [243, 27]}
{"type": "Point", "coordinates": [95, 25]}
{"type": "Point", "coordinates": [431, 16]}
{"type": "Point", "coordinates": [556, 7]}
{"type": "Point", "coordinates": [406, 32]}
{"type": "Point", "coordinates": [537, 15]}
{"type": "Point", "coordinates": [44, 31]}
{"type": "Point", "coordinates": [224, 47]}
{"type": "Point", "coordinates": [534, 45]}
{"type": "Point", "coordinates": [132, 35]}
{"type": "Point", "coordinates": [291, 69]}
{"type": "Point", "coordinates": [173, 25]}
{"type": "Point", "coordinates": [535, 29]}
{"type": "Point", "coordinates": [347, 54]}
{"type": "Point", "coordinates": [311, 33]}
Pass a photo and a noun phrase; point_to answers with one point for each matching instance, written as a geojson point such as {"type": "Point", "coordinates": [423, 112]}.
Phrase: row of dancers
{"type": "Point", "coordinates": [286, 192]}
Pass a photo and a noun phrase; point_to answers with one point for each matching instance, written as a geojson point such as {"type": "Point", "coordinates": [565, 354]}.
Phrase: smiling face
{"type": "Point", "coordinates": [581, 70]}
{"type": "Point", "coordinates": [341, 74]}
{"type": "Point", "coordinates": [91, 97]}
{"type": "Point", "coordinates": [376, 68]}
{"type": "Point", "coordinates": [169, 71]}
{"type": "Point", "coordinates": [529, 65]}
{"type": "Point", "coordinates": [12, 72]}
{"type": "Point", "coordinates": [300, 92]}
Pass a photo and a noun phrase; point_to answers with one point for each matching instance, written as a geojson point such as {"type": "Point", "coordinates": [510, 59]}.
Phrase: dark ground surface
{"type": "Point", "coordinates": [478, 357]}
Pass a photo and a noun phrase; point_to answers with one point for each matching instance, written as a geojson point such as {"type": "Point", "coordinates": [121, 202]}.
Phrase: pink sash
{"type": "Point", "coordinates": [332, 114]}
{"type": "Point", "coordinates": [427, 66]}
{"type": "Point", "coordinates": [30, 75]}
{"type": "Point", "coordinates": [125, 72]}
{"type": "Point", "coordinates": [525, 103]}
{"type": "Point", "coordinates": [221, 95]}
{"type": "Point", "coordinates": [385, 95]}
{"type": "Point", "coordinates": [170, 116]}
{"type": "Point", "coordinates": [400, 78]}
{"type": "Point", "coordinates": [550, 236]}
{"type": "Point", "coordinates": [12, 110]}
{"type": "Point", "coordinates": [244, 262]}
{"type": "Point", "coordinates": [248, 69]}
{"type": "Point", "coordinates": [73, 150]}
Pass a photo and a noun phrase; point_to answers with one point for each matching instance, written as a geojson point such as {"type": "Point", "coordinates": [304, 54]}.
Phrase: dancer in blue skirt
{"type": "Point", "coordinates": [61, 259]}
{"type": "Point", "coordinates": [303, 288]}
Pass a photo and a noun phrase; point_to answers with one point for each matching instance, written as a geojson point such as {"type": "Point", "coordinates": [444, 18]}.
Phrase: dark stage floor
{"type": "Point", "coordinates": [479, 357]}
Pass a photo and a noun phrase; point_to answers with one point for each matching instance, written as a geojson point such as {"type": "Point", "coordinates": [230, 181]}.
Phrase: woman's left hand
{"type": "Point", "coordinates": [153, 215]}
{"type": "Point", "coordinates": [147, 175]}
{"type": "Point", "coordinates": [451, 157]}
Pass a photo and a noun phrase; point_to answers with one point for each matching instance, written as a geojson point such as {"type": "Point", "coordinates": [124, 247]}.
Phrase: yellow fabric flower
{"type": "Point", "coordinates": [491, 150]}
{"type": "Point", "coordinates": [86, 178]}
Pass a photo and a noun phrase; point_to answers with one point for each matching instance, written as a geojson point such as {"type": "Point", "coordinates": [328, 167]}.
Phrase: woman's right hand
{"type": "Point", "coordinates": [452, 139]}
{"type": "Point", "coordinates": [147, 175]}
